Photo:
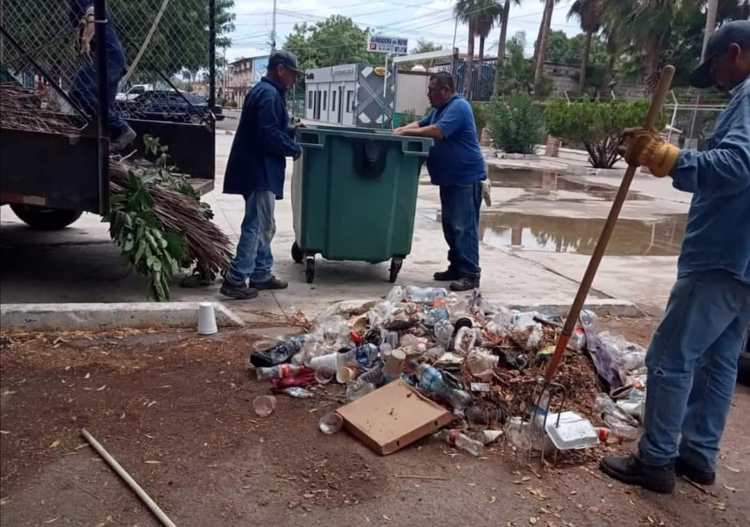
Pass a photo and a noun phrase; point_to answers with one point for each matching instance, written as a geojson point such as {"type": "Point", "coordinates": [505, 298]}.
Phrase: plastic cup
{"type": "Point", "coordinates": [330, 423]}
{"type": "Point", "coordinates": [264, 405]}
{"type": "Point", "coordinates": [324, 376]}
{"type": "Point", "coordinates": [206, 319]}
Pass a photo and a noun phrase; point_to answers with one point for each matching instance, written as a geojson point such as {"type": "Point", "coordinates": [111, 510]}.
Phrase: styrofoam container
{"type": "Point", "coordinates": [572, 433]}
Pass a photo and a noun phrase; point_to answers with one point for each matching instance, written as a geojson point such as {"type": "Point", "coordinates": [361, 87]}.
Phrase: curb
{"type": "Point", "coordinates": [106, 316]}
{"type": "Point", "coordinates": [602, 307]}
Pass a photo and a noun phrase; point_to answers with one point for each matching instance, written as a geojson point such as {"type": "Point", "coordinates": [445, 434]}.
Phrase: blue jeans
{"type": "Point", "coordinates": [460, 206]}
{"type": "Point", "coordinates": [253, 260]}
{"type": "Point", "coordinates": [84, 93]}
{"type": "Point", "coordinates": [692, 369]}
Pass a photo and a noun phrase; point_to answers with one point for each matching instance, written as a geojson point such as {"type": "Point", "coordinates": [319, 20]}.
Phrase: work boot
{"type": "Point", "coordinates": [237, 292]}
{"type": "Point", "coordinates": [271, 283]}
{"type": "Point", "coordinates": [446, 276]}
{"type": "Point", "coordinates": [633, 471]}
{"type": "Point", "coordinates": [702, 477]}
{"type": "Point", "coordinates": [122, 141]}
{"type": "Point", "coordinates": [464, 284]}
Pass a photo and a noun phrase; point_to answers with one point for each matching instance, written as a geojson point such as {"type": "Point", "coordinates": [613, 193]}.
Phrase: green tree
{"type": "Point", "coordinates": [516, 74]}
{"type": "Point", "coordinates": [425, 46]}
{"type": "Point", "coordinates": [335, 40]}
{"type": "Point", "coordinates": [590, 14]}
{"type": "Point", "coordinates": [516, 123]}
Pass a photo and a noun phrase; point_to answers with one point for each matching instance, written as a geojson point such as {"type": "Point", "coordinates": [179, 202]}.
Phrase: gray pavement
{"type": "Point", "coordinates": [536, 238]}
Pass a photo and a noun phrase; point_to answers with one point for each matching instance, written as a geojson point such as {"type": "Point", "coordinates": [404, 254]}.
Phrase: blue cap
{"type": "Point", "coordinates": [737, 32]}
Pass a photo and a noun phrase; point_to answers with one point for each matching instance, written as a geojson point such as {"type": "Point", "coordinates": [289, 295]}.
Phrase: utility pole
{"type": "Point", "coordinates": [273, 29]}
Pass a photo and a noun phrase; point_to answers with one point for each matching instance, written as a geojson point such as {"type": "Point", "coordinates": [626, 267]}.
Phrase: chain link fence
{"type": "Point", "coordinates": [159, 55]}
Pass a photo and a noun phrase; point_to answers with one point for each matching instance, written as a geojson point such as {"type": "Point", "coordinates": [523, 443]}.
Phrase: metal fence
{"type": "Point", "coordinates": [159, 54]}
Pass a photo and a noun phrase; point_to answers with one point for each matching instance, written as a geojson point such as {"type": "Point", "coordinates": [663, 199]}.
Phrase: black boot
{"type": "Point", "coordinates": [271, 283]}
{"type": "Point", "coordinates": [446, 276]}
{"type": "Point", "coordinates": [238, 292]}
{"type": "Point", "coordinates": [632, 471]}
{"type": "Point", "coordinates": [465, 284]}
{"type": "Point", "coordinates": [702, 477]}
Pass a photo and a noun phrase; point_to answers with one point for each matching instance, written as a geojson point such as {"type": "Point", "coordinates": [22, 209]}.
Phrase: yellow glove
{"type": "Point", "coordinates": [646, 148]}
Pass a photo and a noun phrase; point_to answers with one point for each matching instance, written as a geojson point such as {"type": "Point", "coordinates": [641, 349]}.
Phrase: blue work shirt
{"type": "Point", "coordinates": [113, 46]}
{"type": "Point", "coordinates": [456, 159]}
{"type": "Point", "coordinates": [257, 161]}
{"type": "Point", "coordinates": [717, 236]}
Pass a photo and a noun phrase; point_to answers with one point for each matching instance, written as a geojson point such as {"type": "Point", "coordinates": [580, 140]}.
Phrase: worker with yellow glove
{"type": "Point", "coordinates": [692, 359]}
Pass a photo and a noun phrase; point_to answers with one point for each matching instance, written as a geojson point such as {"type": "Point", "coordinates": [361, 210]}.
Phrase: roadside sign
{"type": "Point", "coordinates": [392, 45]}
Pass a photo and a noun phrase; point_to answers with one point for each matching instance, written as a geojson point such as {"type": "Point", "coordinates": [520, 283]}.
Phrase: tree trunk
{"type": "Point", "coordinates": [469, 63]}
{"type": "Point", "coordinates": [501, 45]}
{"type": "Point", "coordinates": [585, 62]}
{"type": "Point", "coordinates": [542, 41]}
{"type": "Point", "coordinates": [653, 54]}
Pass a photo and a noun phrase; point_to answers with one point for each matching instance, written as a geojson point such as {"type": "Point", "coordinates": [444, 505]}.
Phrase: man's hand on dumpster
{"type": "Point", "coordinates": [399, 130]}
{"type": "Point", "coordinates": [642, 147]}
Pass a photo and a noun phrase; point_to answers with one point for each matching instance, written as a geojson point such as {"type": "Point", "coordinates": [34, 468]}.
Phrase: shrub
{"type": "Point", "coordinates": [516, 123]}
{"type": "Point", "coordinates": [596, 125]}
{"type": "Point", "coordinates": [480, 117]}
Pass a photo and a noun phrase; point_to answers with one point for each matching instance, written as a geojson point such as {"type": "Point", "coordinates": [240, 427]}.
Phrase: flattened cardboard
{"type": "Point", "coordinates": [393, 417]}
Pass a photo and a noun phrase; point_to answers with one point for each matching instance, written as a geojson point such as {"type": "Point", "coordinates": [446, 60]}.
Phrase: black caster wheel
{"type": "Point", "coordinates": [396, 264]}
{"type": "Point", "coordinates": [310, 269]}
{"type": "Point", "coordinates": [297, 255]}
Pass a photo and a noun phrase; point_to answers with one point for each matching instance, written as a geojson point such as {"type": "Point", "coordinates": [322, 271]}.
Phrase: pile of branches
{"type": "Point", "coordinates": [160, 224]}
{"type": "Point", "coordinates": [22, 109]}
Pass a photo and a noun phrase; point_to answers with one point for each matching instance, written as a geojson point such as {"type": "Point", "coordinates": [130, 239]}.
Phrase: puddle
{"type": "Point", "coordinates": [544, 182]}
{"type": "Point", "coordinates": [579, 235]}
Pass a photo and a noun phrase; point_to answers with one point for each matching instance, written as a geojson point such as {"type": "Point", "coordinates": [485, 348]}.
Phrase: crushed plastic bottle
{"type": "Point", "coordinates": [435, 315]}
{"type": "Point", "coordinates": [527, 332]}
{"type": "Point", "coordinates": [431, 380]}
{"type": "Point", "coordinates": [456, 438]}
{"type": "Point", "coordinates": [465, 339]}
{"type": "Point", "coordinates": [279, 372]}
{"type": "Point", "coordinates": [330, 423]}
{"type": "Point", "coordinates": [396, 295]}
{"type": "Point", "coordinates": [297, 392]}
{"type": "Point", "coordinates": [424, 295]}
{"type": "Point", "coordinates": [618, 421]}
{"type": "Point", "coordinates": [278, 353]}
{"type": "Point", "coordinates": [358, 388]}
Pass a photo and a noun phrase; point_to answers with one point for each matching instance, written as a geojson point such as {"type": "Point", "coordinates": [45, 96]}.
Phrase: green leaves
{"type": "Point", "coordinates": [595, 125]}
{"type": "Point", "coordinates": [516, 123]}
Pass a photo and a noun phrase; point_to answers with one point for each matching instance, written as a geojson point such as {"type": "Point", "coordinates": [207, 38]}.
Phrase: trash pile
{"type": "Point", "coordinates": [477, 364]}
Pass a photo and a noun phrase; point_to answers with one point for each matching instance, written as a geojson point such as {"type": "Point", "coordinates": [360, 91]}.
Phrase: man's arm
{"type": "Point", "coordinates": [724, 169]}
{"type": "Point", "coordinates": [432, 131]}
{"type": "Point", "coordinates": [275, 140]}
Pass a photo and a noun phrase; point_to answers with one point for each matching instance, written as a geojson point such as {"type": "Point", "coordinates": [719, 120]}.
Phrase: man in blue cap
{"type": "Point", "coordinates": [692, 360]}
{"type": "Point", "coordinates": [256, 169]}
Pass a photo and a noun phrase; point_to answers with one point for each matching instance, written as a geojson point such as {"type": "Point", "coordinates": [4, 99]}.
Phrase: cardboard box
{"type": "Point", "coordinates": [393, 417]}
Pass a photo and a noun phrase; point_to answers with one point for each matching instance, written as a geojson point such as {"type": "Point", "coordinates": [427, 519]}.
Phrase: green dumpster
{"type": "Point", "coordinates": [354, 195]}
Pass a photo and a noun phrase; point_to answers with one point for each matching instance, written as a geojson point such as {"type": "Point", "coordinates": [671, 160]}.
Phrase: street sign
{"type": "Point", "coordinates": [392, 45]}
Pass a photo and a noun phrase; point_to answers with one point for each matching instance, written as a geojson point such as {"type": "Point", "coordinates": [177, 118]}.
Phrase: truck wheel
{"type": "Point", "coordinates": [43, 218]}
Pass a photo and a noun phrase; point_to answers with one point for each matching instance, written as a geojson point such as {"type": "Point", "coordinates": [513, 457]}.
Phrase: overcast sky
{"type": "Point", "coordinates": [412, 19]}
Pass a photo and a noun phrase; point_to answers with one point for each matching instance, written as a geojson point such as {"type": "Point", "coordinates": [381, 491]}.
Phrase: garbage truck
{"type": "Point", "coordinates": [54, 148]}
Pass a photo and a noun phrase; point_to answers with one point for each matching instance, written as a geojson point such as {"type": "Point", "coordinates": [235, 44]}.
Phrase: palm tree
{"type": "Point", "coordinates": [464, 12]}
{"type": "Point", "coordinates": [504, 17]}
{"type": "Point", "coordinates": [541, 42]}
{"type": "Point", "coordinates": [589, 13]}
{"type": "Point", "coordinates": [487, 13]}
{"type": "Point", "coordinates": [481, 15]}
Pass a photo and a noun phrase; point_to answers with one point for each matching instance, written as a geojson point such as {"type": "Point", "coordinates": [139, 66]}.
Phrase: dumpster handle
{"type": "Point", "coordinates": [306, 135]}
{"type": "Point", "coordinates": [419, 153]}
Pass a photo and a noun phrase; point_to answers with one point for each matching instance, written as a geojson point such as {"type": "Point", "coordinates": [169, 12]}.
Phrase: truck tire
{"type": "Point", "coordinates": [43, 218]}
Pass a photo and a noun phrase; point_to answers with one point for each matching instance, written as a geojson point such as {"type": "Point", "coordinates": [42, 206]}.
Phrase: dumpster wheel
{"type": "Point", "coordinates": [297, 254]}
{"type": "Point", "coordinates": [309, 269]}
{"type": "Point", "coordinates": [396, 263]}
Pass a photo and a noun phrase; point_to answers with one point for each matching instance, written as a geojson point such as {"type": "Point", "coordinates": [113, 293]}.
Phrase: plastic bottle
{"type": "Point", "coordinates": [459, 440]}
{"type": "Point", "coordinates": [465, 339]}
{"type": "Point", "coordinates": [366, 355]}
{"type": "Point", "coordinates": [277, 354]}
{"type": "Point", "coordinates": [279, 372]}
{"type": "Point", "coordinates": [435, 315]}
{"type": "Point", "coordinates": [431, 381]}
{"type": "Point", "coordinates": [424, 295]}
{"type": "Point", "coordinates": [358, 388]}
{"type": "Point", "coordinates": [443, 333]}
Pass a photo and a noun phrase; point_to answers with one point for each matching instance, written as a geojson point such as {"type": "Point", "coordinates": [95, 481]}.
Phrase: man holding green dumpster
{"type": "Point", "coordinates": [457, 166]}
{"type": "Point", "coordinates": [256, 168]}
{"type": "Point", "coordinates": [692, 360]}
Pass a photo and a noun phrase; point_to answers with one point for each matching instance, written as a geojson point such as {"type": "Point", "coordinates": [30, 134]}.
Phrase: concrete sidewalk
{"type": "Point", "coordinates": [80, 264]}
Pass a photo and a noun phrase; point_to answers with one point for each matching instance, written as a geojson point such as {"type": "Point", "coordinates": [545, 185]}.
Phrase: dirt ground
{"type": "Point", "coordinates": [176, 410]}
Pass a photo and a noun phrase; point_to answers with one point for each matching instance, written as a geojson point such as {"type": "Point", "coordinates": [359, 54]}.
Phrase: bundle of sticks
{"type": "Point", "coordinates": [207, 245]}
{"type": "Point", "coordinates": [22, 109]}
